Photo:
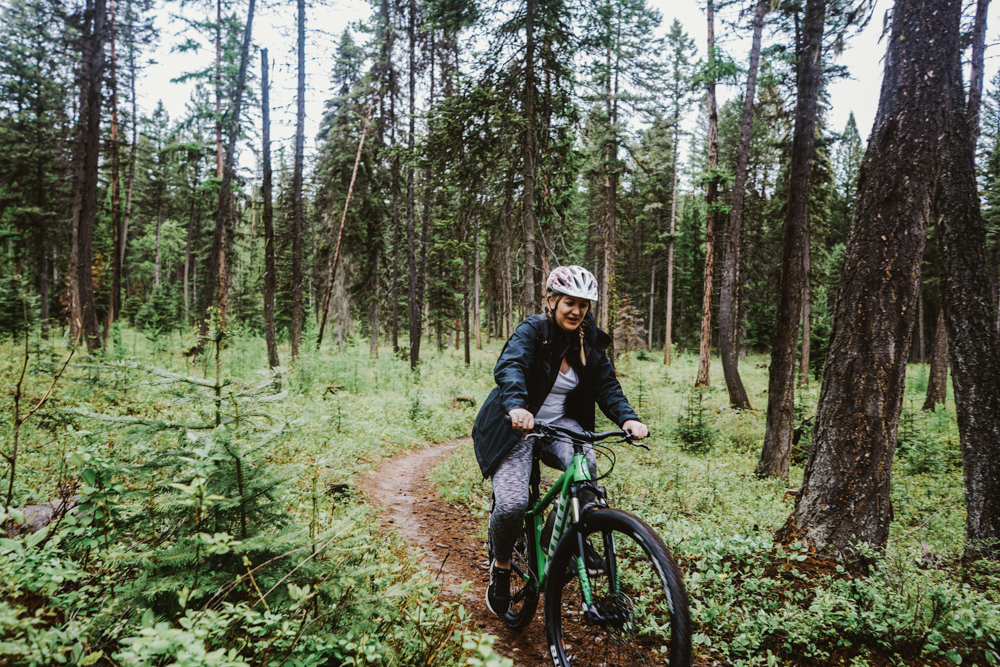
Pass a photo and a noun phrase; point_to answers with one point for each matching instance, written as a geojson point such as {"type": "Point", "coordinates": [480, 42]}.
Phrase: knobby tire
{"type": "Point", "coordinates": [651, 597]}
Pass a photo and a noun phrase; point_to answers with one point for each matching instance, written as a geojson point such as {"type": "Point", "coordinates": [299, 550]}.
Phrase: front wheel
{"type": "Point", "coordinates": [639, 614]}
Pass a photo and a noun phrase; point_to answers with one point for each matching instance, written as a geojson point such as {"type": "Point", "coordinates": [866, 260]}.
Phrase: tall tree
{"type": "Point", "coordinates": [297, 208]}
{"type": "Point", "coordinates": [776, 454]}
{"type": "Point", "coordinates": [731, 269]}
{"type": "Point", "coordinates": [711, 195]}
{"type": "Point", "coordinates": [680, 48]}
{"type": "Point", "coordinates": [92, 76]}
{"type": "Point", "coordinates": [845, 495]}
{"type": "Point", "coordinates": [270, 270]}
{"type": "Point", "coordinates": [974, 344]}
{"type": "Point", "coordinates": [623, 75]}
{"type": "Point", "coordinates": [216, 282]}
{"type": "Point", "coordinates": [411, 233]}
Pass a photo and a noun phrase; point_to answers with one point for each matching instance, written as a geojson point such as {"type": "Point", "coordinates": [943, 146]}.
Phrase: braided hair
{"type": "Point", "coordinates": [549, 313]}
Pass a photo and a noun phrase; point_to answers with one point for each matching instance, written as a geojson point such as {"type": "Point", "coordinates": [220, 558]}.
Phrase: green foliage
{"type": "Point", "coordinates": [757, 604]}
{"type": "Point", "coordinates": [694, 430]}
{"type": "Point", "coordinates": [161, 314]}
{"type": "Point", "coordinates": [926, 443]}
{"type": "Point", "coordinates": [201, 538]}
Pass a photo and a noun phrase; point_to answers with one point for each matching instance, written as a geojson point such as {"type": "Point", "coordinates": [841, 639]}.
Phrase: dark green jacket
{"type": "Point", "coordinates": [525, 374]}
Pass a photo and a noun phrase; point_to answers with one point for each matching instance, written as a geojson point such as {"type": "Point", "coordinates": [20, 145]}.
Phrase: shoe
{"type": "Point", "coordinates": [498, 593]}
{"type": "Point", "coordinates": [594, 560]}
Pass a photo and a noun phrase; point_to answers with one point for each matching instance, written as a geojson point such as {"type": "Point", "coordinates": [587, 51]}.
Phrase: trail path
{"type": "Point", "coordinates": [443, 535]}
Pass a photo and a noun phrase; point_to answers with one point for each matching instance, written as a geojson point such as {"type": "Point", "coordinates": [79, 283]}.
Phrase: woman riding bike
{"type": "Point", "coordinates": [553, 370]}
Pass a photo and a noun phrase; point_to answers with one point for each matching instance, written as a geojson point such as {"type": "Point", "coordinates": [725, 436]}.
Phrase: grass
{"type": "Point", "coordinates": [753, 604]}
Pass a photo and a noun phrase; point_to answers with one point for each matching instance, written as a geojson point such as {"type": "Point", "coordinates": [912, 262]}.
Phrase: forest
{"type": "Point", "coordinates": [210, 341]}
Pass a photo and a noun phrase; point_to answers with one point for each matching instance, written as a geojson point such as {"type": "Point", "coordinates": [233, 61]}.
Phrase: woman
{"type": "Point", "coordinates": [553, 369]}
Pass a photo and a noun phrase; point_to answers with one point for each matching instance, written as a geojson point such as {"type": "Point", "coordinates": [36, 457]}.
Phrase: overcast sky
{"type": "Point", "coordinates": [274, 29]}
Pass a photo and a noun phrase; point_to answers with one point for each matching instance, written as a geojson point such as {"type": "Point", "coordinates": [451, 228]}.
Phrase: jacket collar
{"type": "Point", "coordinates": [593, 338]}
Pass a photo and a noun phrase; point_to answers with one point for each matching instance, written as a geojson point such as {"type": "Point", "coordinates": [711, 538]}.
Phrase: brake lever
{"type": "Point", "coordinates": [630, 439]}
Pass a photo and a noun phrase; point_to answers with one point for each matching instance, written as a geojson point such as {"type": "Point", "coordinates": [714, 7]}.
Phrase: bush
{"type": "Point", "coordinates": [695, 431]}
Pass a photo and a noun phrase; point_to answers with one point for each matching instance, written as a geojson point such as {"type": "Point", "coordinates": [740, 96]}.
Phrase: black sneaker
{"type": "Point", "coordinates": [498, 593]}
{"type": "Point", "coordinates": [594, 560]}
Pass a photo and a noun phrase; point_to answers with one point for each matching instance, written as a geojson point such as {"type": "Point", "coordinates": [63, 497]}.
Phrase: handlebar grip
{"type": "Point", "coordinates": [507, 420]}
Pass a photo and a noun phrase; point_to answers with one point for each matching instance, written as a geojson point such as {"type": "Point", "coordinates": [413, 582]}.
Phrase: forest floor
{"type": "Point", "coordinates": [444, 536]}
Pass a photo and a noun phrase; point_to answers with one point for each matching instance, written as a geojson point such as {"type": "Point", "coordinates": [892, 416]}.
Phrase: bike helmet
{"type": "Point", "coordinates": [573, 281]}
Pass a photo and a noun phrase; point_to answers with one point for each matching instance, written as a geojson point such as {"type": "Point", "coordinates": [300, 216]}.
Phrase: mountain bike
{"type": "Point", "coordinates": [632, 608]}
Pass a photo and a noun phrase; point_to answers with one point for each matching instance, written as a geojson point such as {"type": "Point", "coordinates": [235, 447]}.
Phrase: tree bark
{"type": "Point", "coordinates": [270, 270]}
{"type": "Point", "coordinates": [776, 454]}
{"type": "Point", "coordinates": [937, 382]}
{"type": "Point", "coordinates": [922, 348]}
{"type": "Point", "coordinates": [411, 231]}
{"type": "Point", "coordinates": [668, 334]}
{"type": "Point", "coordinates": [297, 208]}
{"type": "Point", "coordinates": [974, 345]}
{"type": "Point", "coordinates": [216, 282]}
{"type": "Point", "coordinates": [475, 294]}
{"type": "Point", "coordinates": [845, 496]}
{"type": "Point", "coordinates": [115, 302]}
{"type": "Point", "coordinates": [806, 312]}
{"type": "Point", "coordinates": [705, 348]}
{"type": "Point", "coordinates": [728, 339]}
{"type": "Point", "coordinates": [531, 282]}
{"type": "Point", "coordinates": [93, 74]}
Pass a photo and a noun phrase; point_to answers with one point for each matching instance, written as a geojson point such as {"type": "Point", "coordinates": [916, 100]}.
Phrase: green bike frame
{"type": "Point", "coordinates": [567, 514]}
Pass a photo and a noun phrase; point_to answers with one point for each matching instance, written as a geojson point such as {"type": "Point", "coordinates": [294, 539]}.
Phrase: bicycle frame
{"type": "Point", "coordinates": [567, 515]}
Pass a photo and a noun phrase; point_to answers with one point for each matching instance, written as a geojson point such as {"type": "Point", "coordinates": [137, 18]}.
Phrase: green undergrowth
{"type": "Point", "coordinates": [219, 520]}
{"type": "Point", "coordinates": [757, 604]}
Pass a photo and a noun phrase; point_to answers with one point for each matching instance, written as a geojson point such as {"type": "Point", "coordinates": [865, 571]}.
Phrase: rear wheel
{"type": "Point", "coordinates": [523, 580]}
{"type": "Point", "coordinates": [640, 613]}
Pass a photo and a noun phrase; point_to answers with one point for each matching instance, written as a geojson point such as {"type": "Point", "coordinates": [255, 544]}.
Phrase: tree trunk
{"type": "Point", "coordinates": [115, 301]}
{"type": "Point", "coordinates": [776, 454]}
{"type": "Point", "coordinates": [531, 282]}
{"type": "Point", "coordinates": [93, 66]}
{"type": "Point", "coordinates": [373, 312]}
{"type": "Point", "coordinates": [728, 339]}
{"type": "Point", "coordinates": [130, 180]}
{"type": "Point", "coordinates": [270, 270]}
{"type": "Point", "coordinates": [411, 231]}
{"type": "Point", "coordinates": [937, 382]}
{"type": "Point", "coordinates": [969, 315]}
{"type": "Point", "coordinates": [922, 349]}
{"type": "Point", "coordinates": [159, 226]}
{"type": "Point", "coordinates": [297, 209]}
{"type": "Point", "coordinates": [187, 258]}
{"type": "Point", "coordinates": [845, 495]}
{"type": "Point", "coordinates": [806, 313]}
{"type": "Point", "coordinates": [652, 303]}
{"type": "Point", "coordinates": [668, 333]}
{"type": "Point", "coordinates": [705, 349]}
{"type": "Point", "coordinates": [475, 295]}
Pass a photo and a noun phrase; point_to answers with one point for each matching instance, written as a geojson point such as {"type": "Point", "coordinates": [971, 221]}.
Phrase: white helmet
{"type": "Point", "coordinates": [573, 281]}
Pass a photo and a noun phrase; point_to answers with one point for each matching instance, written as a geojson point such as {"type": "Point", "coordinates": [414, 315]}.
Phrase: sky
{"type": "Point", "coordinates": [274, 29]}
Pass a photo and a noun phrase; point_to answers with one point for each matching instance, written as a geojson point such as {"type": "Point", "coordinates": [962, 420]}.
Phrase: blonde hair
{"type": "Point", "coordinates": [549, 293]}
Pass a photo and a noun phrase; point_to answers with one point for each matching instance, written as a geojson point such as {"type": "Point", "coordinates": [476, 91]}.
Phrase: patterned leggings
{"type": "Point", "coordinates": [511, 481]}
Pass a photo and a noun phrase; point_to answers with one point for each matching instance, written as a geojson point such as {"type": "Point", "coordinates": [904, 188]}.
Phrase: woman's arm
{"type": "Point", "coordinates": [511, 371]}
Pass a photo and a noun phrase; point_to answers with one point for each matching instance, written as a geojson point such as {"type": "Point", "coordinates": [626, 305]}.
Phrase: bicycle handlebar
{"type": "Point", "coordinates": [586, 436]}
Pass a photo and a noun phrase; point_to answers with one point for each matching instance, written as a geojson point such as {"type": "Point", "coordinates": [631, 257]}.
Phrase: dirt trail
{"type": "Point", "coordinates": [443, 534]}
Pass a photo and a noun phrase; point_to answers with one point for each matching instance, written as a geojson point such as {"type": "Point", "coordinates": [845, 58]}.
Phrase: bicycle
{"type": "Point", "coordinates": [636, 611]}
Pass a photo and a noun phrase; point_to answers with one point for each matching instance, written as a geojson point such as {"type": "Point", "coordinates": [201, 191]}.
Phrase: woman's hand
{"type": "Point", "coordinates": [638, 429]}
{"type": "Point", "coordinates": [521, 420]}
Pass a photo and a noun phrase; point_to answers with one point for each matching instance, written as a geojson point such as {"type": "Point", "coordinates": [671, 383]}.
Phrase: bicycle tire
{"type": "Point", "coordinates": [656, 629]}
{"type": "Point", "coordinates": [523, 594]}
